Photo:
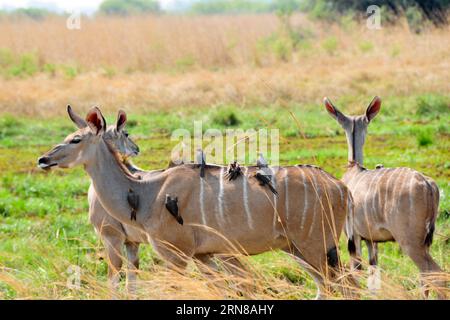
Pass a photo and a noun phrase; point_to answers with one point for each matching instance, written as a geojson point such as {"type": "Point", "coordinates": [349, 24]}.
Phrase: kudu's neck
{"type": "Point", "coordinates": [355, 142]}
{"type": "Point", "coordinates": [112, 186]}
{"type": "Point", "coordinates": [355, 153]}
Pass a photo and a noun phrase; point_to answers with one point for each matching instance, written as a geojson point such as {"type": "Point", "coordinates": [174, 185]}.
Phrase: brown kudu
{"type": "Point", "coordinates": [220, 216]}
{"type": "Point", "coordinates": [391, 204]}
{"type": "Point", "coordinates": [115, 235]}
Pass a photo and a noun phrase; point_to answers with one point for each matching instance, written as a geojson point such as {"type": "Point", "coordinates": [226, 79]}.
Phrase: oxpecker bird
{"type": "Point", "coordinates": [265, 180]}
{"type": "Point", "coordinates": [379, 166]}
{"type": "Point", "coordinates": [261, 162]}
{"type": "Point", "coordinates": [133, 201]}
{"type": "Point", "coordinates": [201, 162]}
{"type": "Point", "coordinates": [234, 170]}
{"type": "Point", "coordinates": [172, 207]}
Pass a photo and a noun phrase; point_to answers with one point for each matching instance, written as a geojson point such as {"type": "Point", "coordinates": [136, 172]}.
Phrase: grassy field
{"type": "Point", "coordinates": [165, 80]}
{"type": "Point", "coordinates": [44, 215]}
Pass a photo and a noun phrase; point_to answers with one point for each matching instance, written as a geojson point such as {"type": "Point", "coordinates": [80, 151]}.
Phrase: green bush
{"type": "Point", "coordinates": [415, 19]}
{"type": "Point", "coordinates": [32, 13]}
{"type": "Point", "coordinates": [226, 117]}
{"type": "Point", "coordinates": [70, 71]}
{"type": "Point", "coordinates": [347, 21]}
{"type": "Point", "coordinates": [27, 65]}
{"type": "Point", "coordinates": [6, 57]}
{"type": "Point", "coordinates": [424, 138]}
{"type": "Point", "coordinates": [128, 7]}
{"type": "Point", "coordinates": [432, 105]}
{"type": "Point", "coordinates": [321, 9]}
{"type": "Point", "coordinates": [330, 45]}
{"type": "Point", "coordinates": [108, 72]}
{"type": "Point", "coordinates": [231, 6]}
{"type": "Point", "coordinates": [366, 46]}
{"type": "Point", "coordinates": [49, 68]}
{"type": "Point", "coordinates": [185, 63]}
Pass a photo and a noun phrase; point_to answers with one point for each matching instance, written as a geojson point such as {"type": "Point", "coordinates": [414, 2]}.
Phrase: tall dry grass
{"type": "Point", "coordinates": [159, 282]}
{"type": "Point", "coordinates": [141, 43]}
{"type": "Point", "coordinates": [170, 62]}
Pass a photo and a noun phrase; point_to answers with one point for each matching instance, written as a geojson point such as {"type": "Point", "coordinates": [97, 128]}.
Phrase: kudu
{"type": "Point", "coordinates": [391, 204]}
{"type": "Point", "coordinates": [114, 234]}
{"type": "Point", "coordinates": [305, 219]}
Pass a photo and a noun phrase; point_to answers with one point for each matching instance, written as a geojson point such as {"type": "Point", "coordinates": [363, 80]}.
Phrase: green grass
{"type": "Point", "coordinates": [44, 224]}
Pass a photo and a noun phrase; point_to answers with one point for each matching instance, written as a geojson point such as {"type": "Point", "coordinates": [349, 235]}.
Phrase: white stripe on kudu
{"type": "Point", "coordinates": [370, 193]}
{"type": "Point", "coordinates": [201, 200]}
{"type": "Point", "coordinates": [245, 199]}
{"type": "Point", "coordinates": [386, 194]}
{"type": "Point", "coordinates": [339, 188]}
{"type": "Point", "coordinates": [411, 186]}
{"type": "Point", "coordinates": [319, 197]}
{"type": "Point", "coordinates": [394, 192]}
{"type": "Point", "coordinates": [286, 191]}
{"type": "Point", "coordinates": [354, 187]}
{"type": "Point", "coordinates": [274, 184]}
{"type": "Point", "coordinates": [377, 190]}
{"type": "Point", "coordinates": [220, 196]}
{"type": "Point", "coordinates": [305, 207]}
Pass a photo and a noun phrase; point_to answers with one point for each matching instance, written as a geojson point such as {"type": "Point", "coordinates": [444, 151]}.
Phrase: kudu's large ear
{"type": "Point", "coordinates": [79, 122]}
{"type": "Point", "coordinates": [121, 120]}
{"type": "Point", "coordinates": [334, 112]}
{"type": "Point", "coordinates": [96, 121]}
{"type": "Point", "coordinates": [373, 108]}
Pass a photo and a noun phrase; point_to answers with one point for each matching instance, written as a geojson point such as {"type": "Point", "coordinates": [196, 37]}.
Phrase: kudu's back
{"type": "Point", "coordinates": [397, 203]}
{"type": "Point", "coordinates": [308, 213]}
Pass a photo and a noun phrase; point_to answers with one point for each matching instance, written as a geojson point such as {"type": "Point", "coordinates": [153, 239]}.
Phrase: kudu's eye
{"type": "Point", "coordinates": [75, 140]}
{"type": "Point", "coordinates": [126, 133]}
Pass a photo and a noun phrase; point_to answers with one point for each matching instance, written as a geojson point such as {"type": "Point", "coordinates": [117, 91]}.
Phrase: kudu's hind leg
{"type": "Point", "coordinates": [354, 247]}
{"type": "Point", "coordinates": [374, 278]}
{"type": "Point", "coordinates": [175, 259]}
{"type": "Point", "coordinates": [132, 249]}
{"type": "Point", "coordinates": [429, 269]}
{"type": "Point", "coordinates": [318, 278]}
{"type": "Point", "coordinates": [229, 264]}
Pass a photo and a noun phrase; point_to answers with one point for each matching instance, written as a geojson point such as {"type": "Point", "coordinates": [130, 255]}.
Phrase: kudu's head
{"type": "Point", "coordinates": [79, 147]}
{"type": "Point", "coordinates": [355, 126]}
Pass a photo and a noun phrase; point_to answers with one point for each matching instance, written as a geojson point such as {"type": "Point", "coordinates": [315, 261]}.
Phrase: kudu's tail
{"type": "Point", "coordinates": [433, 207]}
{"type": "Point", "coordinates": [349, 220]}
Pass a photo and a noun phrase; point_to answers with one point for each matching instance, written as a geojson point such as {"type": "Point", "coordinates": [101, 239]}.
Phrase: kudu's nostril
{"type": "Point", "coordinates": [43, 160]}
{"type": "Point", "coordinates": [137, 149]}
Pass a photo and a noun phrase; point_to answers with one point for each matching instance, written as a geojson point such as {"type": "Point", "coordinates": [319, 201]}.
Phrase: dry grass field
{"type": "Point", "coordinates": [167, 71]}
{"type": "Point", "coordinates": [170, 62]}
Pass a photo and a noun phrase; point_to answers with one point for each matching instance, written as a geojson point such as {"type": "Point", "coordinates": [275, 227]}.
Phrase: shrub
{"type": "Point", "coordinates": [330, 45]}
{"type": "Point", "coordinates": [6, 57]}
{"type": "Point", "coordinates": [321, 9]}
{"type": "Point", "coordinates": [226, 117]}
{"type": "Point", "coordinates": [70, 71]}
{"type": "Point", "coordinates": [415, 19]}
{"type": "Point", "coordinates": [432, 105]}
{"type": "Point", "coordinates": [108, 71]}
{"type": "Point", "coordinates": [128, 7]}
{"type": "Point", "coordinates": [366, 46]}
{"type": "Point", "coordinates": [27, 65]}
{"type": "Point", "coordinates": [49, 68]}
{"type": "Point", "coordinates": [185, 63]}
{"type": "Point", "coordinates": [424, 138]}
{"type": "Point", "coordinates": [32, 13]}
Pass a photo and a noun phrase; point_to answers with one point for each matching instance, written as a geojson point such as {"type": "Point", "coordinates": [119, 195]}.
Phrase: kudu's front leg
{"type": "Point", "coordinates": [113, 246]}
{"type": "Point", "coordinates": [132, 249]}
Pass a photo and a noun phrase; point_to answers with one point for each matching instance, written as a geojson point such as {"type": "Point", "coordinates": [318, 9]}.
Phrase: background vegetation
{"type": "Point", "coordinates": [267, 70]}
